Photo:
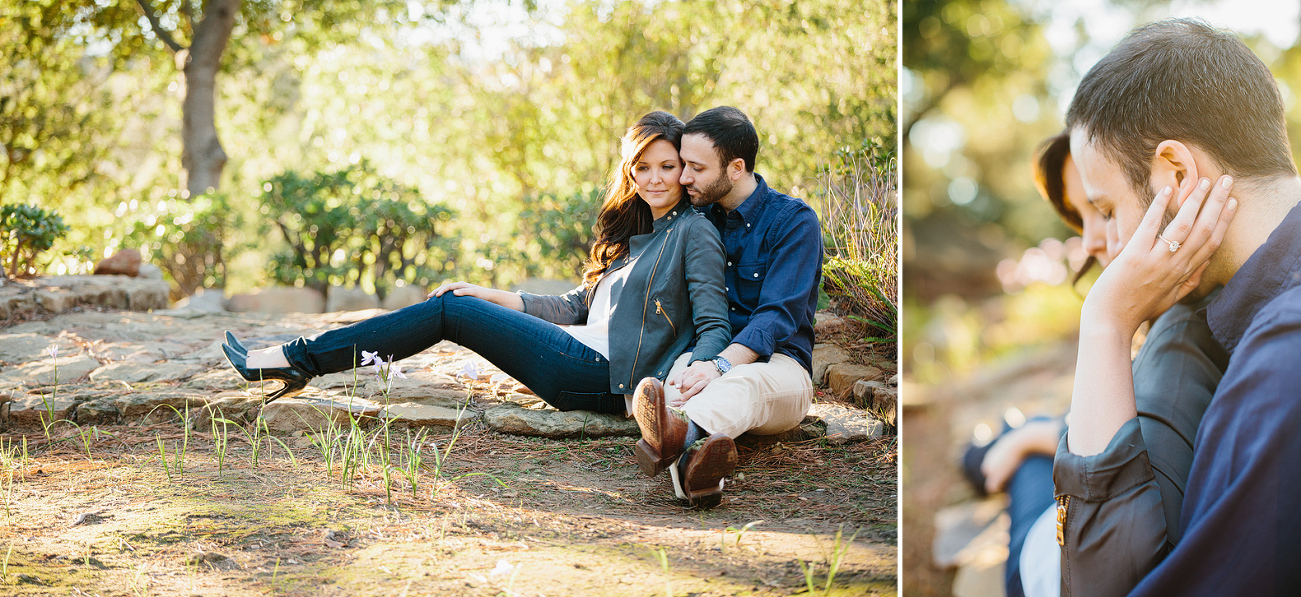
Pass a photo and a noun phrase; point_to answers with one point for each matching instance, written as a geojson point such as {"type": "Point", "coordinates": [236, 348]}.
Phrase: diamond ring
{"type": "Point", "coordinates": [1174, 244]}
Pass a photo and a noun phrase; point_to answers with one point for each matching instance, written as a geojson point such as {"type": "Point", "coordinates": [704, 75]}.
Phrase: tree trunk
{"type": "Point", "coordinates": [201, 154]}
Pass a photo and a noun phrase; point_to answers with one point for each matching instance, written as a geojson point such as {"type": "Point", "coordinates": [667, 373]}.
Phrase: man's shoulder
{"type": "Point", "coordinates": [1272, 340]}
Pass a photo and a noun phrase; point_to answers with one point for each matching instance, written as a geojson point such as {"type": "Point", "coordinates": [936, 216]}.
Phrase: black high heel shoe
{"type": "Point", "coordinates": [294, 380]}
{"type": "Point", "coordinates": [235, 343]}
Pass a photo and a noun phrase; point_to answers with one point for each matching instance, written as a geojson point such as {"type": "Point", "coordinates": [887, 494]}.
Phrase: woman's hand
{"type": "Point", "coordinates": [1154, 270]}
{"type": "Point", "coordinates": [501, 297]}
{"type": "Point", "coordinates": [1148, 276]}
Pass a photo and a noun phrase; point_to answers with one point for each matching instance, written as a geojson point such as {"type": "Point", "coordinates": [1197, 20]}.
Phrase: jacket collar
{"type": "Point", "coordinates": [681, 208]}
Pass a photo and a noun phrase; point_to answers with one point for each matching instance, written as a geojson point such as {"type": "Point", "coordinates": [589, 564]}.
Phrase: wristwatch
{"type": "Point", "coordinates": [723, 365]}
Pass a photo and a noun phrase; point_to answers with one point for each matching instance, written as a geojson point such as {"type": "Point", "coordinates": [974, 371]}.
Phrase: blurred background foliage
{"type": "Point", "coordinates": [986, 259]}
{"type": "Point", "coordinates": [486, 128]}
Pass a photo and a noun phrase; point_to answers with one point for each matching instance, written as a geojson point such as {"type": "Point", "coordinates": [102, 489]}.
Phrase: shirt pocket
{"type": "Point", "coordinates": [749, 280]}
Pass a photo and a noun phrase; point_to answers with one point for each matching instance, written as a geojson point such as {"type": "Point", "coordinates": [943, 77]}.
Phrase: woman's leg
{"type": "Point", "coordinates": [561, 370]}
{"type": "Point", "coordinates": [1030, 492]}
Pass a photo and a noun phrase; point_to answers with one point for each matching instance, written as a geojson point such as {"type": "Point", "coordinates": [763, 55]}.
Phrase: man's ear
{"type": "Point", "coordinates": [1173, 164]}
{"type": "Point", "coordinates": [735, 169]}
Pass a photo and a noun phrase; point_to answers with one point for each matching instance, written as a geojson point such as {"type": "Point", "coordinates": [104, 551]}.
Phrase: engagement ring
{"type": "Point", "coordinates": [1174, 244]}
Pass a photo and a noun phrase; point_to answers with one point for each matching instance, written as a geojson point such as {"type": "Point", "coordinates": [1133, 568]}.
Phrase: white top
{"type": "Point", "coordinates": [596, 334]}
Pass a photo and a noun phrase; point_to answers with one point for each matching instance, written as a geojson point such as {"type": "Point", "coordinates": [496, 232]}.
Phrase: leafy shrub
{"type": "Point", "coordinates": [25, 232]}
{"type": "Point", "coordinates": [860, 213]}
{"type": "Point", "coordinates": [554, 233]}
{"type": "Point", "coordinates": [355, 227]}
{"type": "Point", "coordinates": [191, 239]}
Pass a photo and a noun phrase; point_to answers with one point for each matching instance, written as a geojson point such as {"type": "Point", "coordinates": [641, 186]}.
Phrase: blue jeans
{"type": "Point", "coordinates": [564, 372]}
{"type": "Point", "coordinates": [1029, 493]}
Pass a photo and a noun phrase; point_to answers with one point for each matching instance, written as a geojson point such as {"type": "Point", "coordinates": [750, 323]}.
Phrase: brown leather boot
{"type": "Point", "coordinates": [662, 431]}
{"type": "Point", "coordinates": [708, 461]}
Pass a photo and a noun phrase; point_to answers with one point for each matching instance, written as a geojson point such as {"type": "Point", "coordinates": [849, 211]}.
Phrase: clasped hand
{"type": "Point", "coordinates": [1156, 268]}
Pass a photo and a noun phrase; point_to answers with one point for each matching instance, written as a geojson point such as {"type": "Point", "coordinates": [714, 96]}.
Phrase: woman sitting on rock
{"type": "Point", "coordinates": [652, 290]}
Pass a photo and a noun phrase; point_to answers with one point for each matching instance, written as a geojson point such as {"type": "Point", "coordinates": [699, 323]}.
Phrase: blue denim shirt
{"type": "Point", "coordinates": [1241, 521]}
{"type": "Point", "coordinates": [773, 244]}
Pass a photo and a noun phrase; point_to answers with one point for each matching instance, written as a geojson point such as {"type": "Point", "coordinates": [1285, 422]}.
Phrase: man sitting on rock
{"type": "Point", "coordinates": [762, 382]}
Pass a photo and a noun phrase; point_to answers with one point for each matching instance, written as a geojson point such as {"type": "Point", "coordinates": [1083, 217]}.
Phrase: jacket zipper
{"type": "Point", "coordinates": [660, 309]}
{"type": "Point", "coordinates": [646, 305]}
{"type": "Point", "coordinates": [1063, 515]}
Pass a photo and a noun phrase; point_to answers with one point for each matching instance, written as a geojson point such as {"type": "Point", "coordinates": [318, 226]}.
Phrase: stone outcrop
{"type": "Point", "coordinates": [279, 300]}
{"type": "Point", "coordinates": [349, 299]}
{"type": "Point", "coordinates": [116, 367]}
{"type": "Point", "coordinates": [58, 294]}
{"type": "Point", "coordinates": [125, 262]}
{"type": "Point", "coordinates": [511, 418]}
{"type": "Point", "coordinates": [845, 425]}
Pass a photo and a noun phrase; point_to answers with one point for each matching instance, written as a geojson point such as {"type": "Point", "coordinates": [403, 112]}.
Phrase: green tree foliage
{"type": "Point", "coordinates": [352, 226]}
{"type": "Point", "coordinates": [516, 133]}
{"type": "Point", "coordinates": [26, 231]}
{"type": "Point", "coordinates": [190, 239]}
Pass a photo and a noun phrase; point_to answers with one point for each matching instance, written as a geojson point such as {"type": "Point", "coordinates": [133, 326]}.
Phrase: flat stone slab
{"type": "Point", "coordinates": [27, 409]}
{"type": "Point", "coordinates": [512, 419]}
{"type": "Point", "coordinates": [44, 372]}
{"type": "Point", "coordinates": [425, 415]}
{"type": "Point", "coordinates": [970, 532]}
{"type": "Point", "coordinates": [23, 348]}
{"type": "Point", "coordinates": [135, 372]}
{"type": "Point", "coordinates": [312, 412]}
{"type": "Point", "coordinates": [56, 294]}
{"type": "Point", "coordinates": [824, 356]}
{"type": "Point", "coordinates": [810, 428]}
{"type": "Point", "coordinates": [158, 404]}
{"type": "Point", "coordinates": [841, 377]}
{"type": "Point", "coordinates": [881, 398]}
{"type": "Point", "coordinates": [845, 425]}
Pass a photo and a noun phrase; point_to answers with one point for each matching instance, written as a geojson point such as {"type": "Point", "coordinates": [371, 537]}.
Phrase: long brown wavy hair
{"type": "Point", "coordinates": [623, 214]}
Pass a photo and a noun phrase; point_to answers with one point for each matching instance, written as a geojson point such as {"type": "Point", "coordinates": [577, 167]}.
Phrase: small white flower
{"type": "Point", "coordinates": [368, 357]}
{"type": "Point", "coordinates": [54, 351]}
{"type": "Point", "coordinates": [503, 568]}
{"type": "Point", "coordinates": [470, 370]}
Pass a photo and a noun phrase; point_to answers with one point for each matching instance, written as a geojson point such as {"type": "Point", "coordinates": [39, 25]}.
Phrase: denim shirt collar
{"type": "Point", "coordinates": [1273, 269]}
{"type": "Point", "coordinates": [749, 209]}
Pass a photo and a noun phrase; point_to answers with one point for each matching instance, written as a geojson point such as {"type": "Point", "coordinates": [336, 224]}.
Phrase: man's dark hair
{"type": "Point", "coordinates": [1183, 80]}
{"type": "Point", "coordinates": [730, 130]}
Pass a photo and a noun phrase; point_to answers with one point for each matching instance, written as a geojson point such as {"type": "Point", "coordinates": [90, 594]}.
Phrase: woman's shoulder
{"type": "Point", "coordinates": [693, 219]}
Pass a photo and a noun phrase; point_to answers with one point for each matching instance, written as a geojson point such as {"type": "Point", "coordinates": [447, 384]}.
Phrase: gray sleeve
{"type": "Point", "coordinates": [1110, 524]}
{"type": "Point", "coordinates": [705, 261]}
{"type": "Point", "coordinates": [565, 309]}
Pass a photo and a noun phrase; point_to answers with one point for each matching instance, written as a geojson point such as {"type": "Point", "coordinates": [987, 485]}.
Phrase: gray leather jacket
{"type": "Point", "coordinates": [673, 295]}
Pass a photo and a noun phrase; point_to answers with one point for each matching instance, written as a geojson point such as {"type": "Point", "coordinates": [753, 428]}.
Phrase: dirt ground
{"type": "Point", "coordinates": [544, 517]}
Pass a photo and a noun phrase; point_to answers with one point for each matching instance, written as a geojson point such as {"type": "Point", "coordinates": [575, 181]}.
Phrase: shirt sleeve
{"type": "Point", "coordinates": [1113, 530]}
{"type": "Point", "coordinates": [791, 277]}
{"type": "Point", "coordinates": [1242, 527]}
{"type": "Point", "coordinates": [704, 263]}
{"type": "Point", "coordinates": [565, 309]}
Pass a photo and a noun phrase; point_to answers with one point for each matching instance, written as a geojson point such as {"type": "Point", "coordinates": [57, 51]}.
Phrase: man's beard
{"type": "Point", "coordinates": [712, 193]}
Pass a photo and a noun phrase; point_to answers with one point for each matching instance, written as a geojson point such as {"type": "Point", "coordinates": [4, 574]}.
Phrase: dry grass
{"type": "Point", "coordinates": [860, 220]}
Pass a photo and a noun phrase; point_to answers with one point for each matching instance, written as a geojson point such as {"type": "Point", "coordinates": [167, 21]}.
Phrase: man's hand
{"type": "Point", "coordinates": [692, 380]}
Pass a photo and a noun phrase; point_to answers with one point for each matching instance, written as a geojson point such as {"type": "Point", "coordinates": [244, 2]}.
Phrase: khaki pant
{"type": "Point", "coordinates": [761, 398]}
